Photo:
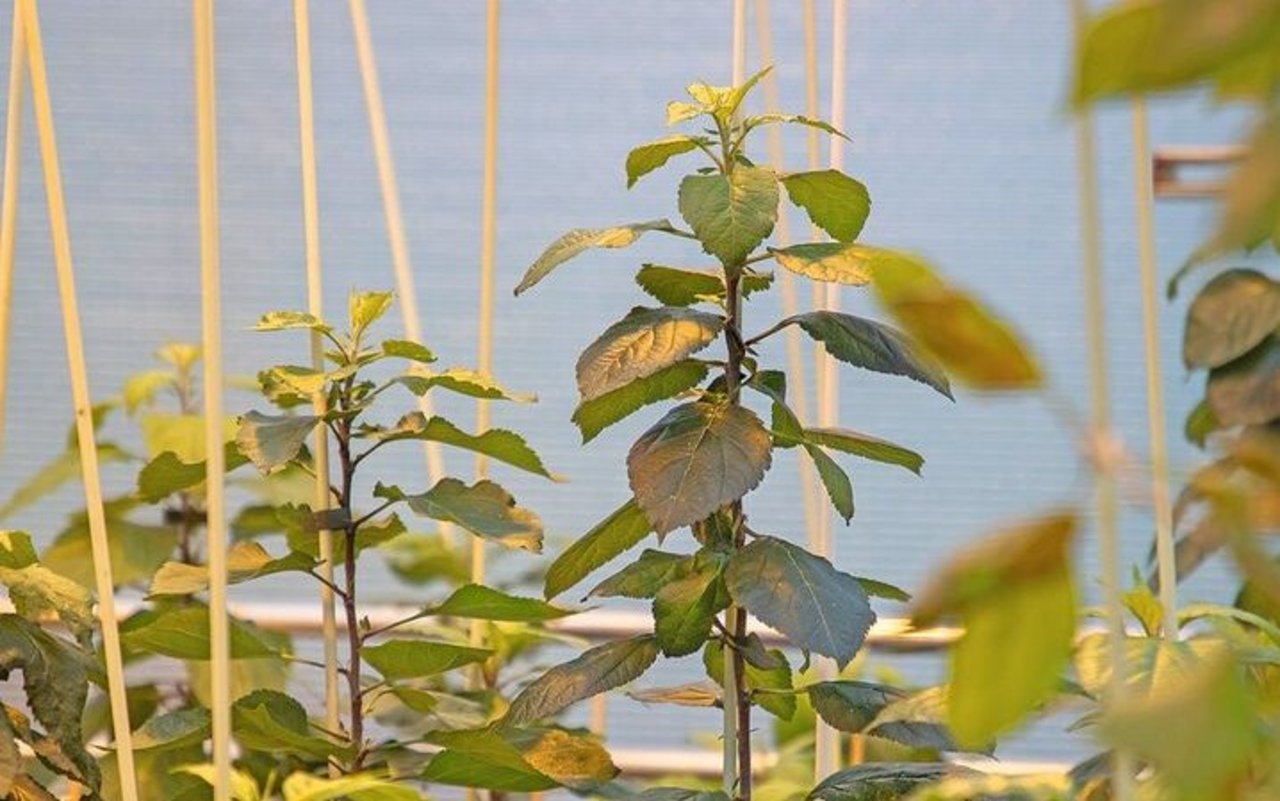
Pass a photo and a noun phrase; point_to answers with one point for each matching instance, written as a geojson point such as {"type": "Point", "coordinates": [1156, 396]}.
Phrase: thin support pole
{"type": "Point", "coordinates": [1166, 568]}
{"type": "Point", "coordinates": [799, 390]}
{"type": "Point", "coordinates": [395, 218]}
{"type": "Point", "coordinates": [211, 345]}
{"type": "Point", "coordinates": [315, 305]}
{"type": "Point", "coordinates": [9, 205]}
{"type": "Point", "coordinates": [1100, 408]}
{"type": "Point", "coordinates": [27, 15]}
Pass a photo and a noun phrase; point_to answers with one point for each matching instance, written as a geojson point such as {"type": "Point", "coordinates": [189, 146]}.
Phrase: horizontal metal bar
{"type": "Point", "coordinates": [1169, 162]}
{"type": "Point", "coordinates": [650, 763]}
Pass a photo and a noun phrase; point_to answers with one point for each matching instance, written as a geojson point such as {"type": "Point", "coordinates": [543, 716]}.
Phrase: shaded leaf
{"type": "Point", "coordinates": [684, 608]}
{"type": "Point", "coordinates": [582, 239]}
{"type": "Point", "coordinates": [484, 508]}
{"type": "Point", "coordinates": [302, 786]}
{"type": "Point", "coordinates": [673, 286]}
{"type": "Point", "coordinates": [866, 446]}
{"type": "Point", "coordinates": [834, 202]}
{"type": "Point", "coordinates": [483, 759]}
{"type": "Point", "coordinates": [881, 781]}
{"type": "Point", "coordinates": [183, 632]}
{"type": "Point", "coordinates": [640, 345]}
{"type": "Point", "coordinates": [270, 441]}
{"type": "Point", "coordinates": [497, 443]}
{"type": "Point", "coordinates": [731, 214]}
{"type": "Point", "coordinates": [462, 381]}
{"type": "Point", "coordinates": [1247, 391]}
{"type": "Point", "coordinates": [650, 156]}
{"type": "Point", "coordinates": [644, 577]}
{"type": "Point", "coordinates": [595, 415]}
{"type": "Point", "coordinates": [778, 678]}
{"type": "Point", "coordinates": [1231, 315]}
{"type": "Point", "coordinates": [850, 705]}
{"type": "Point", "coordinates": [597, 670]}
{"type": "Point", "coordinates": [614, 535]}
{"type": "Point", "coordinates": [168, 473]}
{"type": "Point", "coordinates": [479, 602]}
{"type": "Point", "coordinates": [407, 349]}
{"type": "Point", "coordinates": [836, 482]}
{"type": "Point", "coordinates": [408, 659]}
{"type": "Point", "coordinates": [818, 608]}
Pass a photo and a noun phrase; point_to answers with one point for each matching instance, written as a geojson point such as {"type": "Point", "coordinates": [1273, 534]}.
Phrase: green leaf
{"type": "Point", "coordinates": [407, 349]}
{"type": "Point", "coordinates": [63, 469]}
{"type": "Point", "coordinates": [684, 608]}
{"type": "Point", "coordinates": [175, 729]}
{"type": "Point", "coordinates": [365, 308]}
{"type": "Point", "coordinates": [918, 721]}
{"type": "Point", "coordinates": [867, 344]}
{"type": "Point", "coordinates": [497, 443]}
{"type": "Point", "coordinates": [673, 286]}
{"type": "Point", "coordinates": [1231, 315]}
{"type": "Point", "coordinates": [484, 508]}
{"type": "Point", "coordinates": [817, 607]}
{"type": "Point", "coordinates": [36, 591]}
{"type": "Point", "coordinates": [1251, 201]}
{"type": "Point", "coordinates": [1046, 787]}
{"type": "Point", "coordinates": [1200, 423]}
{"type": "Point", "coordinates": [699, 457]}
{"type": "Point", "coordinates": [779, 704]}
{"type": "Point", "coordinates": [650, 156]}
{"type": "Point", "coordinates": [483, 759]}
{"type": "Point", "coordinates": [302, 786]}
{"type": "Point", "coordinates": [597, 670]}
{"type": "Point", "coordinates": [273, 722]}
{"type": "Point", "coordinates": [282, 320]}
{"type": "Point", "coordinates": [794, 119]}
{"type": "Point", "coordinates": [271, 441]}
{"type": "Point", "coordinates": [243, 786]}
{"type": "Point", "coordinates": [246, 560]}
{"type": "Point", "coordinates": [136, 550]}
{"type": "Point", "coordinates": [834, 202]}
{"type": "Point", "coordinates": [971, 343]}
{"type": "Point", "coordinates": [422, 558]}
{"type": "Point", "coordinates": [681, 794]}
{"type": "Point", "coordinates": [479, 602]}
{"type": "Point", "coordinates": [614, 535]}
{"type": "Point", "coordinates": [140, 389]}
{"type": "Point", "coordinates": [577, 762]}
{"type": "Point", "coordinates": [1015, 593]}
{"type": "Point", "coordinates": [836, 482]}
{"type": "Point", "coordinates": [883, 589]}
{"type": "Point", "coordinates": [644, 577]}
{"type": "Point", "coordinates": [850, 705]}
{"type": "Point", "coordinates": [641, 344]}
{"type": "Point", "coordinates": [731, 214]}
{"type": "Point", "coordinates": [16, 551]}
{"type": "Point", "coordinates": [409, 659]}
{"type": "Point", "coordinates": [1247, 390]}
{"type": "Point", "coordinates": [866, 446]}
{"type": "Point", "coordinates": [833, 262]}
{"type": "Point", "coordinates": [595, 415]}
{"type": "Point", "coordinates": [464, 382]}
{"type": "Point", "coordinates": [168, 473]}
{"type": "Point", "coordinates": [183, 632]}
{"type": "Point", "coordinates": [579, 240]}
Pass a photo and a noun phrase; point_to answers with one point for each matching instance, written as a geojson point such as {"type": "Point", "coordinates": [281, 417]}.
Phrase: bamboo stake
{"type": "Point", "coordinates": [9, 205]}
{"type": "Point", "coordinates": [400, 260]}
{"type": "Point", "coordinates": [26, 14]}
{"type": "Point", "coordinates": [814, 150]}
{"type": "Point", "coordinates": [211, 345]}
{"type": "Point", "coordinates": [1100, 407]}
{"type": "Point", "coordinates": [790, 304]}
{"type": "Point", "coordinates": [1166, 568]}
{"type": "Point", "coordinates": [315, 305]}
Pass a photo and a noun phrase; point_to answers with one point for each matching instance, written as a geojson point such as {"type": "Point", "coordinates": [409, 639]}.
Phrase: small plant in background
{"type": "Point", "coordinates": [694, 467]}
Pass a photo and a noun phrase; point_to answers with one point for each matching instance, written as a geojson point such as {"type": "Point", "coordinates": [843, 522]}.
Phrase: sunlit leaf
{"type": "Point", "coordinates": [650, 156]}
{"type": "Point", "coordinates": [775, 681]}
{"type": "Point", "coordinates": [674, 286]}
{"type": "Point", "coordinates": [301, 786]}
{"type": "Point", "coordinates": [464, 382]}
{"type": "Point", "coordinates": [731, 214]}
{"type": "Point", "coordinates": [246, 560]}
{"type": "Point", "coordinates": [614, 535]}
{"type": "Point", "coordinates": [497, 443]}
{"type": "Point", "coordinates": [833, 262]}
{"type": "Point", "coordinates": [834, 202]}
{"type": "Point", "coordinates": [484, 508]}
{"type": "Point", "coordinates": [684, 608]}
{"type": "Point", "coordinates": [183, 632]}
{"type": "Point", "coordinates": [577, 241]}
{"type": "Point", "coordinates": [644, 577]}
{"type": "Point", "coordinates": [485, 603]}
{"type": "Point", "coordinates": [794, 119]}
{"type": "Point", "coordinates": [575, 761]}
{"type": "Point", "coordinates": [597, 670]}
{"type": "Point", "coordinates": [483, 759]}
{"type": "Point", "coordinates": [641, 344]}
{"type": "Point", "coordinates": [271, 441]}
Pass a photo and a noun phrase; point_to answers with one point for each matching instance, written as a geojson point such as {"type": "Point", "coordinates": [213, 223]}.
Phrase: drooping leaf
{"type": "Point", "coordinates": [918, 720]}
{"type": "Point", "coordinates": [1015, 592]}
{"type": "Point", "coordinates": [866, 446]}
{"type": "Point", "coordinates": [484, 508]}
{"type": "Point", "coordinates": [641, 344]}
{"type": "Point", "coordinates": [673, 286]}
{"type": "Point", "coordinates": [883, 589]}
{"type": "Point", "coordinates": [614, 535]}
{"type": "Point", "coordinates": [246, 560]}
{"type": "Point", "coordinates": [483, 758]}
{"type": "Point", "coordinates": [817, 607]}
{"type": "Point", "coordinates": [464, 382]}
{"type": "Point", "coordinates": [408, 659]}
{"type": "Point", "coordinates": [582, 239]}
{"type": "Point", "coordinates": [650, 156]}
{"type": "Point", "coordinates": [597, 670]}
{"type": "Point", "coordinates": [574, 761]}
{"type": "Point", "coordinates": [833, 262]}
{"type": "Point", "coordinates": [698, 694]}
{"type": "Point", "coordinates": [794, 119]}
{"type": "Point", "coordinates": [699, 457]}
{"type": "Point", "coordinates": [644, 577]}
{"type": "Point", "coordinates": [595, 415]}
{"type": "Point", "coordinates": [836, 482]}
{"type": "Point", "coordinates": [850, 705]}
{"type": "Point", "coordinates": [875, 781]}
{"type": "Point", "coordinates": [1231, 315]}
{"type": "Point", "coordinates": [973, 344]}
{"type": "Point", "coordinates": [1246, 391]}
{"type": "Point", "coordinates": [870, 345]}
{"type": "Point", "coordinates": [773, 682]}
{"type": "Point", "coordinates": [269, 720]}
{"type": "Point", "coordinates": [183, 632]}
{"type": "Point", "coordinates": [834, 202]}
{"type": "Point", "coordinates": [684, 608]}
{"type": "Point", "coordinates": [271, 441]}
{"type": "Point", "coordinates": [497, 443]}
{"type": "Point", "coordinates": [479, 602]}
{"type": "Point", "coordinates": [731, 214]}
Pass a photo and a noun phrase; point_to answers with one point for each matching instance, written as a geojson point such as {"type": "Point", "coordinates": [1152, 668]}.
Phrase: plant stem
{"type": "Point", "coordinates": [737, 707]}
{"type": "Point", "coordinates": [356, 723]}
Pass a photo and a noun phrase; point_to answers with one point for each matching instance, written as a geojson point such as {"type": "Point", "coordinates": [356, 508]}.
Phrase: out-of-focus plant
{"type": "Point", "coordinates": [693, 468]}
